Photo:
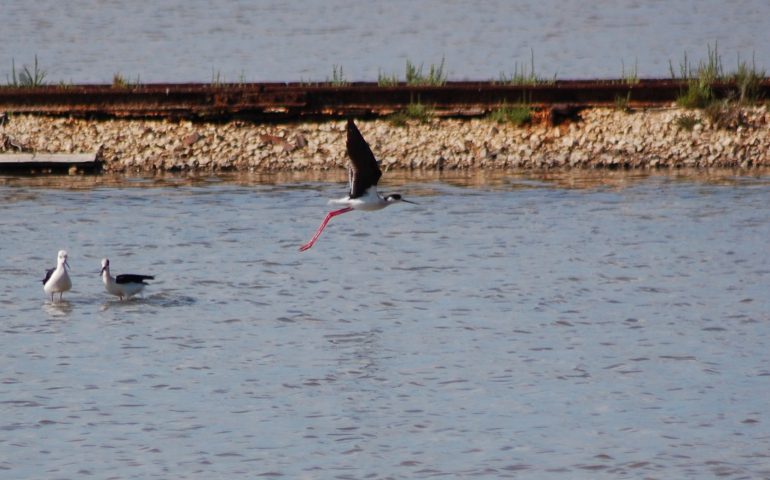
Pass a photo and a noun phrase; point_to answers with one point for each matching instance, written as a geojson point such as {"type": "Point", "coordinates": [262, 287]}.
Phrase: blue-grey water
{"type": "Point", "coordinates": [89, 41]}
{"type": "Point", "coordinates": [568, 326]}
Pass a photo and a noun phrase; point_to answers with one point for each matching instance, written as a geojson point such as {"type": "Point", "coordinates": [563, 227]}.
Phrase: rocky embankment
{"type": "Point", "coordinates": [667, 137]}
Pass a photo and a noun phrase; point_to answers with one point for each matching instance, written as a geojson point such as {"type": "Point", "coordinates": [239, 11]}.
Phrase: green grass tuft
{"type": "Point", "coordinates": [414, 111]}
{"type": "Point", "coordinates": [700, 79]}
{"type": "Point", "coordinates": [696, 96]}
{"type": "Point", "coordinates": [724, 114]}
{"type": "Point", "coordinates": [518, 114]}
{"type": "Point", "coordinates": [435, 77]}
{"type": "Point", "coordinates": [623, 103]}
{"type": "Point", "coordinates": [27, 77]}
{"type": "Point", "coordinates": [217, 79]}
{"type": "Point", "coordinates": [524, 77]}
{"type": "Point", "coordinates": [418, 111]}
{"type": "Point", "coordinates": [120, 81]}
{"type": "Point", "coordinates": [387, 80]}
{"type": "Point", "coordinates": [748, 80]}
{"type": "Point", "coordinates": [687, 122]}
{"type": "Point", "coordinates": [632, 76]}
{"type": "Point", "coordinates": [338, 77]}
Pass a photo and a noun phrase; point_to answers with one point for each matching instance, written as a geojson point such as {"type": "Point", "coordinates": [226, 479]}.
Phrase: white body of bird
{"type": "Point", "coordinates": [367, 202]}
{"type": "Point", "coordinates": [57, 280]}
{"type": "Point", "coordinates": [122, 286]}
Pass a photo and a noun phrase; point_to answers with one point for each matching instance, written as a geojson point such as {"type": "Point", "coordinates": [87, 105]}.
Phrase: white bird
{"type": "Point", "coordinates": [363, 175]}
{"type": "Point", "coordinates": [123, 286]}
{"type": "Point", "coordinates": [57, 280]}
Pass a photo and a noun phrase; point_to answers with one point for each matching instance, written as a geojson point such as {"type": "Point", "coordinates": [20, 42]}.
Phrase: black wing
{"type": "Point", "coordinates": [364, 171]}
{"type": "Point", "coordinates": [131, 278]}
{"type": "Point", "coordinates": [48, 274]}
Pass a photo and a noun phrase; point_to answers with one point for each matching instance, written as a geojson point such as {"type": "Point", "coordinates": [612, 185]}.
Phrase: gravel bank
{"type": "Point", "coordinates": [603, 138]}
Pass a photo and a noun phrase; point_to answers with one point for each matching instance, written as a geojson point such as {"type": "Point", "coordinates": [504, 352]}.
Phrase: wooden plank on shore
{"type": "Point", "coordinates": [47, 158]}
{"type": "Point", "coordinates": [49, 162]}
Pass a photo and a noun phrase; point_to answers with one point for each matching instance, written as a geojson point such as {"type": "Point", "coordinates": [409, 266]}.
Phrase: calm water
{"type": "Point", "coordinates": [198, 40]}
{"type": "Point", "coordinates": [565, 327]}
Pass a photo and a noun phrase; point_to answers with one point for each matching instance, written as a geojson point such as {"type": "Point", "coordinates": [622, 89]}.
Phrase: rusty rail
{"type": "Point", "coordinates": [287, 101]}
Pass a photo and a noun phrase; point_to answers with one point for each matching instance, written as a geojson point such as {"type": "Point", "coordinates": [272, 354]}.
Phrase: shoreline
{"type": "Point", "coordinates": [602, 138]}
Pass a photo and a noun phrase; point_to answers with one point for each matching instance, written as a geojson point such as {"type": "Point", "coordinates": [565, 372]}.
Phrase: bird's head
{"type": "Point", "coordinates": [62, 258]}
{"type": "Point", "coordinates": [105, 265]}
{"type": "Point", "coordinates": [395, 198]}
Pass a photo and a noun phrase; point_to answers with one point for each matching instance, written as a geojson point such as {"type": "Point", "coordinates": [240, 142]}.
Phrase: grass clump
{"type": "Point", "coordinates": [414, 111]}
{"type": "Point", "coordinates": [518, 114]}
{"type": "Point", "coordinates": [748, 80]}
{"type": "Point", "coordinates": [435, 76]}
{"type": "Point", "coordinates": [384, 80]}
{"type": "Point", "coordinates": [418, 111]}
{"type": "Point", "coordinates": [724, 114]}
{"type": "Point", "coordinates": [623, 103]}
{"type": "Point", "coordinates": [700, 79]}
{"type": "Point", "coordinates": [522, 76]}
{"type": "Point", "coordinates": [120, 81]}
{"type": "Point", "coordinates": [217, 79]}
{"type": "Point", "coordinates": [26, 77]}
{"type": "Point", "coordinates": [414, 76]}
{"type": "Point", "coordinates": [338, 77]}
{"type": "Point", "coordinates": [687, 122]}
{"type": "Point", "coordinates": [696, 96]}
{"type": "Point", "coordinates": [632, 76]}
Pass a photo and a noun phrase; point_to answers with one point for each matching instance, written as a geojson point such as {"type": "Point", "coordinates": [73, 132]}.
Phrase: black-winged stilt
{"type": "Point", "coordinates": [57, 280]}
{"type": "Point", "coordinates": [363, 175]}
{"type": "Point", "coordinates": [126, 285]}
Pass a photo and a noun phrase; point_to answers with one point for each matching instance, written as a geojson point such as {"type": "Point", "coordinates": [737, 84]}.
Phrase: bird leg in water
{"type": "Point", "coordinates": [323, 224]}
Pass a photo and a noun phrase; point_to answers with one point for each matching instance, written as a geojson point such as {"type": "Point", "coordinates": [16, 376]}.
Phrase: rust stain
{"type": "Point", "coordinates": [562, 100]}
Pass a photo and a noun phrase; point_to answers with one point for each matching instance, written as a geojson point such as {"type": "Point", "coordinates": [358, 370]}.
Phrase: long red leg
{"type": "Point", "coordinates": [323, 224]}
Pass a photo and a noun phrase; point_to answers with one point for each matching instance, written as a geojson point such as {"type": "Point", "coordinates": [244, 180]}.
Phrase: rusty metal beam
{"type": "Point", "coordinates": [283, 101]}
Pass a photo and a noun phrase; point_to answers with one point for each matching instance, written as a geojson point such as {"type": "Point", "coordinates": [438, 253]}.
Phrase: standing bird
{"type": "Point", "coordinates": [126, 285]}
{"type": "Point", "coordinates": [363, 175]}
{"type": "Point", "coordinates": [57, 280]}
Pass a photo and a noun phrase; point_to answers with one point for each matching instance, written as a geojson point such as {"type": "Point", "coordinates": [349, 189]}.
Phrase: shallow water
{"type": "Point", "coordinates": [89, 41]}
{"type": "Point", "coordinates": [569, 326]}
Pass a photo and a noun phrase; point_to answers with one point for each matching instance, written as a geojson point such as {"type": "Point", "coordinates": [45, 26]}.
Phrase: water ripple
{"type": "Point", "coordinates": [535, 328]}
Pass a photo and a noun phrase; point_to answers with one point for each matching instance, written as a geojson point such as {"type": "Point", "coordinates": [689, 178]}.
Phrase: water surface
{"type": "Point", "coordinates": [569, 326]}
{"type": "Point", "coordinates": [89, 41]}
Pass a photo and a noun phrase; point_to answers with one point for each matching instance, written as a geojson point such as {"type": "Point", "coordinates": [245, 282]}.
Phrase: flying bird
{"type": "Point", "coordinates": [363, 175]}
{"type": "Point", "coordinates": [57, 280]}
{"type": "Point", "coordinates": [123, 286]}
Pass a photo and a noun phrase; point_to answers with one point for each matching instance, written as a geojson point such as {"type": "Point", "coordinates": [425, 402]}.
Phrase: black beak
{"type": "Point", "coordinates": [408, 201]}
